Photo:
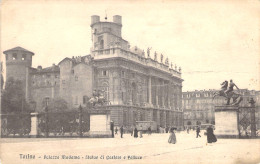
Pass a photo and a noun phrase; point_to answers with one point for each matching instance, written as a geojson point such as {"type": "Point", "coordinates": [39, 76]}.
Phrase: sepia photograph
{"type": "Point", "coordinates": [135, 82]}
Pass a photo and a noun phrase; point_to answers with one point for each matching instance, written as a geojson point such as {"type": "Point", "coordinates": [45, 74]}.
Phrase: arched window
{"type": "Point", "coordinates": [105, 88]}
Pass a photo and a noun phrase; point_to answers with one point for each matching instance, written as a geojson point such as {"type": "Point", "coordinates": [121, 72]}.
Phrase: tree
{"type": "Point", "coordinates": [16, 108]}
{"type": "Point", "coordinates": [13, 98]}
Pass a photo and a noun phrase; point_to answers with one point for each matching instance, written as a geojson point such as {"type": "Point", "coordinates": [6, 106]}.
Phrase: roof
{"type": "Point", "coordinates": [18, 49]}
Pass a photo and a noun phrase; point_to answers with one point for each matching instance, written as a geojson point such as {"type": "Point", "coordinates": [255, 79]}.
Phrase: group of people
{"type": "Point", "coordinates": [172, 138]}
{"type": "Point", "coordinates": [134, 132]}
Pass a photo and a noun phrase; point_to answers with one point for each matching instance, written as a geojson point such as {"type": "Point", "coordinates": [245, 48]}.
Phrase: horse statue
{"type": "Point", "coordinates": [236, 97]}
{"type": "Point", "coordinates": [98, 98]}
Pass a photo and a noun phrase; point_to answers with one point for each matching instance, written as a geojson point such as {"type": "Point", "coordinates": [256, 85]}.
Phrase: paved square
{"type": "Point", "coordinates": [149, 149]}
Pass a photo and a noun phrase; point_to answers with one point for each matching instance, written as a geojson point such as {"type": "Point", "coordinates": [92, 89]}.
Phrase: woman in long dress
{"type": "Point", "coordinates": [172, 138]}
{"type": "Point", "coordinates": [135, 133]}
{"type": "Point", "coordinates": [210, 135]}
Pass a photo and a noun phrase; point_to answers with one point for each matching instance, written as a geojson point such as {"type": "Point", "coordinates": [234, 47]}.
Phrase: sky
{"type": "Point", "coordinates": [211, 41]}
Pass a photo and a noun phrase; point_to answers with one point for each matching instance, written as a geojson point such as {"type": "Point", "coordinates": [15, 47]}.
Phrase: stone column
{"type": "Point", "coordinates": [158, 118]}
{"type": "Point", "coordinates": [34, 125]}
{"type": "Point", "coordinates": [164, 118]}
{"type": "Point", "coordinates": [150, 89]}
{"type": "Point", "coordinates": [156, 95]}
{"type": "Point", "coordinates": [162, 89]}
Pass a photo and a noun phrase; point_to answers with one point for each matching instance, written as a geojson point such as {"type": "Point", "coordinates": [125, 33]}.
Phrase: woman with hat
{"type": "Point", "coordinates": [172, 138]}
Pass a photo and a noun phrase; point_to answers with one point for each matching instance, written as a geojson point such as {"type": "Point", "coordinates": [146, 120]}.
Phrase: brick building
{"type": "Point", "coordinates": [198, 106]}
{"type": "Point", "coordinates": [137, 87]}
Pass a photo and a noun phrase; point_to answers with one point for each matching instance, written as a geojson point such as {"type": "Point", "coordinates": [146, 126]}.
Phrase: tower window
{"type": "Point", "coordinates": [123, 73]}
{"type": "Point", "coordinates": [24, 57]}
{"type": "Point", "coordinates": [104, 73]}
{"type": "Point", "coordinates": [14, 56]}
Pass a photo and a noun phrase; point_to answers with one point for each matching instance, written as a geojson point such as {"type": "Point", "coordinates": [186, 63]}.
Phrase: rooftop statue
{"type": "Point", "coordinates": [167, 61]}
{"type": "Point", "coordinates": [228, 92]}
{"type": "Point", "coordinates": [161, 58]}
{"type": "Point", "coordinates": [155, 56]}
{"type": "Point", "coordinates": [148, 52]}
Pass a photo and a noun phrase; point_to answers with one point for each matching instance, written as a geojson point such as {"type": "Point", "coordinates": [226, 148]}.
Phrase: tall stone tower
{"type": "Point", "coordinates": [18, 64]}
{"type": "Point", "coordinates": [107, 34]}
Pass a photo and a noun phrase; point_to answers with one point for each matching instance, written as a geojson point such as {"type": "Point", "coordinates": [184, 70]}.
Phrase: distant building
{"type": "Point", "coordinates": [198, 106]}
{"type": "Point", "coordinates": [136, 87]}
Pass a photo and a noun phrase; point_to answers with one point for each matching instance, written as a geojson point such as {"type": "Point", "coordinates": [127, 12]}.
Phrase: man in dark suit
{"type": "Point", "coordinates": [198, 132]}
{"type": "Point", "coordinates": [122, 131]}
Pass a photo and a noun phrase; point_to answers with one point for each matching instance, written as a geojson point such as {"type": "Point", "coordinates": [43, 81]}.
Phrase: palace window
{"type": "Point", "coordinates": [14, 56]}
{"type": "Point", "coordinates": [85, 99]}
{"type": "Point", "coordinates": [104, 73]}
{"type": "Point", "coordinates": [105, 88]}
{"type": "Point", "coordinates": [76, 100]}
{"type": "Point", "coordinates": [24, 57]}
{"type": "Point", "coordinates": [46, 101]}
{"type": "Point", "coordinates": [123, 73]}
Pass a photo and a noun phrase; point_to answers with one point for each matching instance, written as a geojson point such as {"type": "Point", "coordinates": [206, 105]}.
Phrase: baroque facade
{"type": "Point", "coordinates": [198, 106]}
{"type": "Point", "coordinates": [136, 87]}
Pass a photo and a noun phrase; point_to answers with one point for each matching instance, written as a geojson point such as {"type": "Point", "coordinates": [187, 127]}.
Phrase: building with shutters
{"type": "Point", "coordinates": [137, 86]}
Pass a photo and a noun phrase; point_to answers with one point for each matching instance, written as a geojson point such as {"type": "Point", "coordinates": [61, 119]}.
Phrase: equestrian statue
{"type": "Point", "coordinates": [227, 91]}
{"type": "Point", "coordinates": [98, 98]}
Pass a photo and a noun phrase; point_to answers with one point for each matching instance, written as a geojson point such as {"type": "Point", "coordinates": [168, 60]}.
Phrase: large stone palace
{"type": "Point", "coordinates": [136, 86]}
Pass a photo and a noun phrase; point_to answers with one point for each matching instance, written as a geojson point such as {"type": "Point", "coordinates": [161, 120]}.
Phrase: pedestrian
{"type": "Point", "coordinates": [116, 130]}
{"type": "Point", "coordinates": [198, 132]}
{"type": "Point", "coordinates": [112, 128]}
{"type": "Point", "coordinates": [188, 130]}
{"type": "Point", "coordinates": [166, 129]}
{"type": "Point", "coordinates": [122, 131]}
{"type": "Point", "coordinates": [149, 130]}
{"type": "Point", "coordinates": [135, 133]}
{"type": "Point", "coordinates": [172, 138]}
{"type": "Point", "coordinates": [132, 130]}
{"type": "Point", "coordinates": [141, 132]}
{"type": "Point", "coordinates": [210, 135]}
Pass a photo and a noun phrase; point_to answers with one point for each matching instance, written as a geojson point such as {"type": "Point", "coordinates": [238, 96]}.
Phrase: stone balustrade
{"type": "Point", "coordinates": [119, 52]}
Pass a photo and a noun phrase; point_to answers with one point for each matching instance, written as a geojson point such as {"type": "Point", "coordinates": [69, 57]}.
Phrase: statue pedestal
{"type": "Point", "coordinates": [226, 121]}
{"type": "Point", "coordinates": [100, 124]}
